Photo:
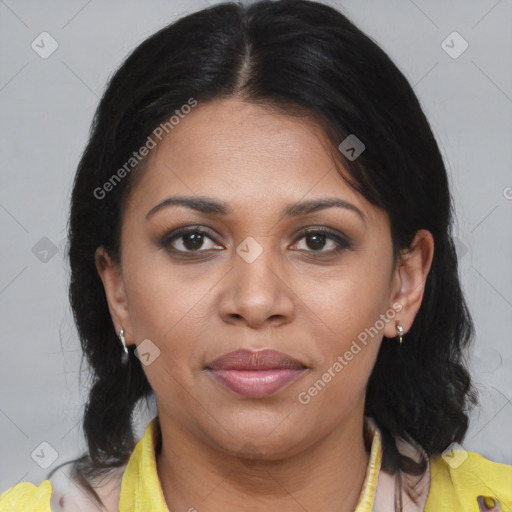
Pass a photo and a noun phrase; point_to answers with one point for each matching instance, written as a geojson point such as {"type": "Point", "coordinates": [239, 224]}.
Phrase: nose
{"type": "Point", "coordinates": [257, 293]}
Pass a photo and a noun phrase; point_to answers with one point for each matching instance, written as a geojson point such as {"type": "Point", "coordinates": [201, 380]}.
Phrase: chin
{"type": "Point", "coordinates": [262, 440]}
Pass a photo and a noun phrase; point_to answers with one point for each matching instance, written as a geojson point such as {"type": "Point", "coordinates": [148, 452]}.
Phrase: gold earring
{"type": "Point", "coordinates": [123, 341]}
{"type": "Point", "coordinates": [399, 330]}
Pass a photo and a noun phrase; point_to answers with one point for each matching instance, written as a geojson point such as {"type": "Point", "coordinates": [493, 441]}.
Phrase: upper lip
{"type": "Point", "coordinates": [246, 359]}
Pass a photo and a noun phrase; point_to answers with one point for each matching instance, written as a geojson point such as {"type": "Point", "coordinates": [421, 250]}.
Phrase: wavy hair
{"type": "Point", "coordinates": [302, 58]}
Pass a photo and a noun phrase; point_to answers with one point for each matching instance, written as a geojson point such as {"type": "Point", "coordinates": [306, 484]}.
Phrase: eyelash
{"type": "Point", "coordinates": [169, 238]}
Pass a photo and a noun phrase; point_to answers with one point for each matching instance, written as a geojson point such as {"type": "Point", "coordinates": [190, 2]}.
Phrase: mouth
{"type": "Point", "coordinates": [255, 374]}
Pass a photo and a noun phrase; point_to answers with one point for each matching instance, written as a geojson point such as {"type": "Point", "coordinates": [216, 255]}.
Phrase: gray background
{"type": "Point", "coordinates": [46, 107]}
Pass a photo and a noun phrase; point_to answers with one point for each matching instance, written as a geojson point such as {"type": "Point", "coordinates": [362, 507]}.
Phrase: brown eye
{"type": "Point", "coordinates": [188, 240]}
{"type": "Point", "coordinates": [323, 242]}
{"type": "Point", "coordinates": [316, 241]}
{"type": "Point", "coordinates": [192, 241]}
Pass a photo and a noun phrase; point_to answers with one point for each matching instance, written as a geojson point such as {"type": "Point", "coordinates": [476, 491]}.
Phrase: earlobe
{"type": "Point", "coordinates": [113, 284]}
{"type": "Point", "coordinates": [410, 279]}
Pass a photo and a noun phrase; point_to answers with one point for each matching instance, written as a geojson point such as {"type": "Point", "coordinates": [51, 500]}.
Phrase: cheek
{"type": "Point", "coordinates": [172, 308]}
{"type": "Point", "coordinates": [348, 300]}
{"type": "Point", "coordinates": [339, 381]}
{"type": "Point", "coordinates": [349, 308]}
{"type": "Point", "coordinates": [161, 295]}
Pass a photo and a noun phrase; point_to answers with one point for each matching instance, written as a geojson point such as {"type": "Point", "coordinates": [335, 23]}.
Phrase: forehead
{"type": "Point", "coordinates": [244, 154]}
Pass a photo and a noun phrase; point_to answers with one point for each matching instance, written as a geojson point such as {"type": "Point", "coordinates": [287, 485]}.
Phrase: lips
{"type": "Point", "coordinates": [255, 374]}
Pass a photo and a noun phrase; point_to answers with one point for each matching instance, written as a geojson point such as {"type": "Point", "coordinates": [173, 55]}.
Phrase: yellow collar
{"type": "Point", "coordinates": [141, 489]}
{"type": "Point", "coordinates": [367, 496]}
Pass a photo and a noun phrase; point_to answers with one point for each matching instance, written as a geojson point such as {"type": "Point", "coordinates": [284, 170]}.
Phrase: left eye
{"type": "Point", "coordinates": [317, 240]}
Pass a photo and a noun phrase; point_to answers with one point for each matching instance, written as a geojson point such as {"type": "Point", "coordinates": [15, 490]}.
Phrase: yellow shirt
{"type": "Point", "coordinates": [453, 486]}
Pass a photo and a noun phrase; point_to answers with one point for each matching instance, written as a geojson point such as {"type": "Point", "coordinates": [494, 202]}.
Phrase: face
{"type": "Point", "coordinates": [317, 285]}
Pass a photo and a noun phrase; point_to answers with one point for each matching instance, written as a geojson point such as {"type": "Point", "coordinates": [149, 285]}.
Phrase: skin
{"type": "Point", "coordinates": [220, 450]}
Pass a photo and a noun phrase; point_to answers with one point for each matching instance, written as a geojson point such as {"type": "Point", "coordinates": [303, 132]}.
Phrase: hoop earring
{"type": "Point", "coordinates": [125, 355]}
{"type": "Point", "coordinates": [399, 330]}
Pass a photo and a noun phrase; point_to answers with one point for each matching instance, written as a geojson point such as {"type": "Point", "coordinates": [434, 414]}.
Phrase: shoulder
{"type": "Point", "coordinates": [459, 478]}
{"type": "Point", "coordinates": [27, 497]}
{"type": "Point", "coordinates": [60, 493]}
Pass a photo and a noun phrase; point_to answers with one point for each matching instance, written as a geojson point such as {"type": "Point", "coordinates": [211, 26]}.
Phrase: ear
{"type": "Point", "coordinates": [409, 281]}
{"type": "Point", "coordinates": [112, 278]}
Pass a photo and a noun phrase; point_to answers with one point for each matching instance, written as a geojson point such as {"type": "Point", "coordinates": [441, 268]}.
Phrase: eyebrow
{"type": "Point", "coordinates": [209, 205]}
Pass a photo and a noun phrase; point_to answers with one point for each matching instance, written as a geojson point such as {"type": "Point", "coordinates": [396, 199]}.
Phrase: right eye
{"type": "Point", "coordinates": [187, 240]}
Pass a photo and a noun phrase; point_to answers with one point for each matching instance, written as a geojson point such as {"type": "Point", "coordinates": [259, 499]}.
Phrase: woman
{"type": "Point", "coordinates": [260, 238]}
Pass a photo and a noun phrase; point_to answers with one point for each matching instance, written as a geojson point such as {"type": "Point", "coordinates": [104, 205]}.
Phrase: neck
{"type": "Point", "coordinates": [328, 475]}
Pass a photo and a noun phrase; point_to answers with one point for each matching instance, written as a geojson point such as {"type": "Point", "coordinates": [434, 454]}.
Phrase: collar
{"type": "Point", "coordinates": [140, 488]}
{"type": "Point", "coordinates": [367, 497]}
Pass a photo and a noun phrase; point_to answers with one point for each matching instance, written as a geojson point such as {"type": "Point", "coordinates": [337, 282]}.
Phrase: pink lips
{"type": "Point", "coordinates": [255, 374]}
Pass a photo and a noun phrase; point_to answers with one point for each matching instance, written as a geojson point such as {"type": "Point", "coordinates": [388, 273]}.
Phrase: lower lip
{"type": "Point", "coordinates": [256, 384]}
